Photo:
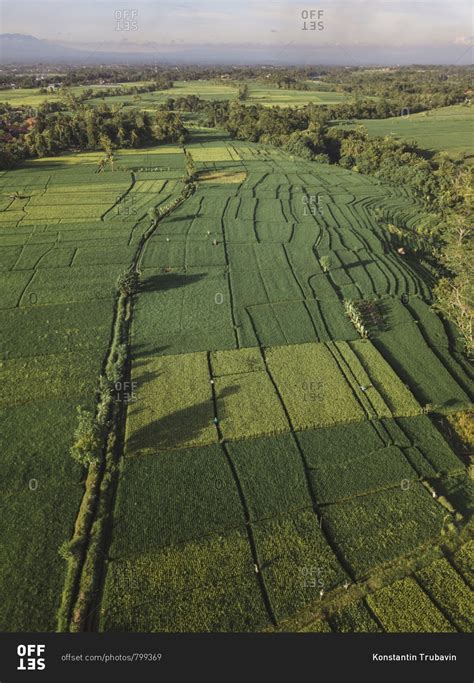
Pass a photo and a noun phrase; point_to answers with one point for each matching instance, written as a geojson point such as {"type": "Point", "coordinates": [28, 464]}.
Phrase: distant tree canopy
{"type": "Point", "coordinates": [78, 127]}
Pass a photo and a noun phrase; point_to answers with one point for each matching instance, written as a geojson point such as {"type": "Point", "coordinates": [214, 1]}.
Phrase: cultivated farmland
{"type": "Point", "coordinates": [446, 129]}
{"type": "Point", "coordinates": [266, 456]}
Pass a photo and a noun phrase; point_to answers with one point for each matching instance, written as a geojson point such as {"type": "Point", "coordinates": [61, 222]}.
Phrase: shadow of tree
{"type": "Point", "coordinates": [178, 219]}
{"type": "Point", "coordinates": [179, 429]}
{"type": "Point", "coordinates": [141, 352]}
{"type": "Point", "coordinates": [144, 378]}
{"type": "Point", "coordinates": [165, 281]}
{"type": "Point", "coordinates": [390, 313]}
{"type": "Point", "coordinates": [354, 264]}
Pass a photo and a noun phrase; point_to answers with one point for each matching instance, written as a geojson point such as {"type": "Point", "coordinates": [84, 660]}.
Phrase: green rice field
{"type": "Point", "coordinates": [446, 129]}
{"type": "Point", "coordinates": [269, 457]}
{"type": "Point", "coordinates": [258, 93]}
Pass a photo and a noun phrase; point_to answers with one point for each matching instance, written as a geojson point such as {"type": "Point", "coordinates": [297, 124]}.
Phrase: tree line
{"type": "Point", "coordinates": [58, 129]}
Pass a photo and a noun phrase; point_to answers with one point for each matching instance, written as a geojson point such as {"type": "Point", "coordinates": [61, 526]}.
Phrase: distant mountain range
{"type": "Point", "coordinates": [16, 48]}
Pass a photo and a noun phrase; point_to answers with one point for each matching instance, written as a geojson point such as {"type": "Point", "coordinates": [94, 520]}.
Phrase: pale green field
{"type": "Point", "coordinates": [269, 95]}
{"type": "Point", "coordinates": [448, 129]}
{"type": "Point", "coordinates": [33, 97]}
{"type": "Point", "coordinates": [258, 93]}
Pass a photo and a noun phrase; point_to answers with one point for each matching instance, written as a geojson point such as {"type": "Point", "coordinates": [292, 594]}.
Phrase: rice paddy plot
{"type": "Point", "coordinates": [205, 252]}
{"type": "Point", "coordinates": [17, 236]}
{"type": "Point", "coordinates": [42, 330]}
{"type": "Point", "coordinates": [275, 232]}
{"type": "Point", "coordinates": [88, 189]}
{"type": "Point", "coordinates": [295, 560]}
{"type": "Point", "coordinates": [85, 234]}
{"type": "Point", "coordinates": [346, 439]}
{"type": "Point", "coordinates": [63, 199]}
{"type": "Point", "coordinates": [424, 435]}
{"type": "Point", "coordinates": [99, 255]}
{"type": "Point", "coordinates": [376, 529]}
{"type": "Point", "coordinates": [207, 585]}
{"type": "Point", "coordinates": [177, 312]}
{"type": "Point", "coordinates": [154, 162]}
{"type": "Point", "coordinates": [69, 285]}
{"type": "Point", "coordinates": [391, 392]}
{"type": "Point", "coordinates": [322, 288]}
{"type": "Point", "coordinates": [271, 474]}
{"type": "Point", "coordinates": [459, 489]}
{"type": "Point", "coordinates": [173, 406]}
{"type": "Point", "coordinates": [238, 231]}
{"type": "Point", "coordinates": [65, 375]}
{"type": "Point", "coordinates": [447, 589]}
{"type": "Point", "coordinates": [269, 95]}
{"type": "Point", "coordinates": [201, 226]}
{"type": "Point", "coordinates": [280, 323]}
{"type": "Point", "coordinates": [463, 560]}
{"type": "Point", "coordinates": [312, 365]}
{"type": "Point", "coordinates": [136, 205]}
{"type": "Point", "coordinates": [247, 405]}
{"type": "Point", "coordinates": [416, 364]}
{"type": "Point", "coordinates": [171, 497]}
{"type": "Point", "coordinates": [294, 321]}
{"type": "Point", "coordinates": [347, 472]}
{"type": "Point", "coordinates": [212, 153]}
{"type": "Point", "coordinates": [436, 329]}
{"type": "Point", "coordinates": [403, 607]}
{"type": "Point", "coordinates": [33, 524]}
{"type": "Point", "coordinates": [34, 442]}
{"type": "Point", "coordinates": [435, 335]}
{"type": "Point", "coordinates": [45, 255]}
{"type": "Point", "coordinates": [84, 180]}
{"type": "Point", "coordinates": [163, 252]}
{"type": "Point", "coordinates": [446, 129]}
{"type": "Point", "coordinates": [9, 256]}
{"type": "Point", "coordinates": [280, 285]}
{"type": "Point", "coordinates": [12, 286]}
{"type": "Point", "coordinates": [38, 214]}
{"type": "Point", "coordinates": [232, 363]}
{"type": "Point", "coordinates": [354, 618]}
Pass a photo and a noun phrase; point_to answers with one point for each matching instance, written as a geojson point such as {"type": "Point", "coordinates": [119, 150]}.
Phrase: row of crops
{"type": "Point", "coordinates": [205, 537]}
{"type": "Point", "coordinates": [272, 458]}
{"type": "Point", "coordinates": [302, 386]}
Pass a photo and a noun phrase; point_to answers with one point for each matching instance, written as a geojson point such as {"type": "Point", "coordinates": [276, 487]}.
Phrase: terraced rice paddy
{"type": "Point", "coordinates": [270, 457]}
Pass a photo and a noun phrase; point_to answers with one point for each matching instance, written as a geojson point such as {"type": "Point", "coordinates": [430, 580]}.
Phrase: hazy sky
{"type": "Point", "coordinates": [275, 23]}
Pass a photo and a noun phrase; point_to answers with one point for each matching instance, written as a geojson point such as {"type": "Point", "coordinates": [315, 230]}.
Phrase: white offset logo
{"type": "Point", "coordinates": [31, 657]}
